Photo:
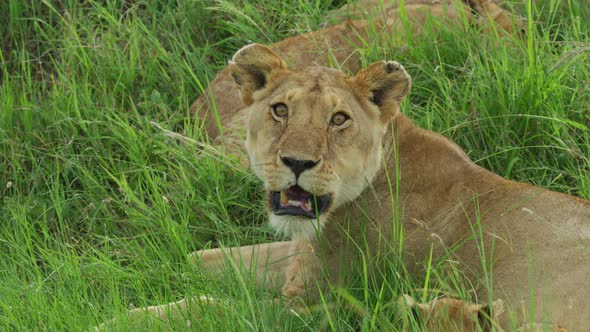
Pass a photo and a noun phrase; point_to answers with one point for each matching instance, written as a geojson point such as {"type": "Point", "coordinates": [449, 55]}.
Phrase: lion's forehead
{"type": "Point", "coordinates": [328, 97]}
{"type": "Point", "coordinates": [319, 80]}
{"type": "Point", "coordinates": [318, 89]}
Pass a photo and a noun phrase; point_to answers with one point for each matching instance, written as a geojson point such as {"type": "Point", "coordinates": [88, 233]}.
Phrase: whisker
{"type": "Point", "coordinates": [259, 165]}
{"type": "Point", "coordinates": [370, 187]}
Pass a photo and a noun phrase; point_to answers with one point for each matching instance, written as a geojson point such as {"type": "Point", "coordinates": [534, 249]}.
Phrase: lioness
{"type": "Point", "coordinates": [327, 145]}
{"type": "Point", "coordinates": [342, 165]}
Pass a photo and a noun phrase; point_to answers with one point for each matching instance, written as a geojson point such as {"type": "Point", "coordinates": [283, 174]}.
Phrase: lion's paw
{"type": "Point", "coordinates": [448, 314]}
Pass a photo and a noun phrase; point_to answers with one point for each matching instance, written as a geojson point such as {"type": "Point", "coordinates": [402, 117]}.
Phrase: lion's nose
{"type": "Point", "coordinates": [298, 166]}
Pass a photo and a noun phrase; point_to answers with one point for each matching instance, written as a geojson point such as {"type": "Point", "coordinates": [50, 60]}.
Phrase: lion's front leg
{"type": "Point", "coordinates": [291, 266]}
{"type": "Point", "coordinates": [268, 261]}
{"type": "Point", "coordinates": [182, 313]}
{"type": "Point", "coordinates": [303, 274]}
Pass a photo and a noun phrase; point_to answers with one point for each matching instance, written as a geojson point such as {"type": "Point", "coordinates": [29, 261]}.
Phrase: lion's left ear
{"type": "Point", "coordinates": [387, 82]}
{"type": "Point", "coordinates": [253, 68]}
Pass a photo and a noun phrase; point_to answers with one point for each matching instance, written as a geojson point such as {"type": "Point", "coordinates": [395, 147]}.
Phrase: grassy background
{"type": "Point", "coordinates": [98, 209]}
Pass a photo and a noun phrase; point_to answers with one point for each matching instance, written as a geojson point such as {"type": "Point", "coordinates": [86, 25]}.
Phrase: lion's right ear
{"type": "Point", "coordinates": [384, 83]}
{"type": "Point", "coordinates": [253, 68]}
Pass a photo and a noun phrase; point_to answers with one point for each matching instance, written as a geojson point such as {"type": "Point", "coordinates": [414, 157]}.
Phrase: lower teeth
{"type": "Point", "coordinates": [306, 206]}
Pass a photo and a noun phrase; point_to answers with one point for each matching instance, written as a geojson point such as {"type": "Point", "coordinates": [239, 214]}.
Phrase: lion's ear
{"type": "Point", "coordinates": [386, 82]}
{"type": "Point", "coordinates": [253, 68]}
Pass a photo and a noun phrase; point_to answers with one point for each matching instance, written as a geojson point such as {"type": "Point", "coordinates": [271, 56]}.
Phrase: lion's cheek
{"type": "Point", "coordinates": [255, 153]}
{"type": "Point", "coordinates": [349, 172]}
{"type": "Point", "coordinates": [355, 173]}
{"type": "Point", "coordinates": [261, 152]}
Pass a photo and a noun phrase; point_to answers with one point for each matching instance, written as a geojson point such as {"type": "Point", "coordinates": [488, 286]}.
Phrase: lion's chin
{"type": "Point", "coordinates": [295, 201]}
{"type": "Point", "coordinates": [296, 227]}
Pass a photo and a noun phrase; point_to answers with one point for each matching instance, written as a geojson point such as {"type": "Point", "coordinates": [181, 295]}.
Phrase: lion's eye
{"type": "Point", "coordinates": [339, 118]}
{"type": "Point", "coordinates": [280, 110]}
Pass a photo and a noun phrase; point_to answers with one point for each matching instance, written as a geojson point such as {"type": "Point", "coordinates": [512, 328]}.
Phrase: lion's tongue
{"type": "Point", "coordinates": [295, 196]}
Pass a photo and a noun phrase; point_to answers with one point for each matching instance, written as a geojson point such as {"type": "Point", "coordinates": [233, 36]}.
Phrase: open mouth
{"type": "Point", "coordinates": [294, 201]}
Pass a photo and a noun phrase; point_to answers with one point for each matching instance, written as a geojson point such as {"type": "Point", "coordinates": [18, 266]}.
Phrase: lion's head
{"type": "Point", "coordinates": [315, 135]}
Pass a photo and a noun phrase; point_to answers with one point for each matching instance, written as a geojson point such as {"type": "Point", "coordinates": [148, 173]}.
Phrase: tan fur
{"type": "Point", "coordinates": [486, 14]}
{"type": "Point", "coordinates": [445, 203]}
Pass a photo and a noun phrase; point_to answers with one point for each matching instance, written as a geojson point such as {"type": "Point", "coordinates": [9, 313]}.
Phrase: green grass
{"type": "Point", "coordinates": [98, 208]}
